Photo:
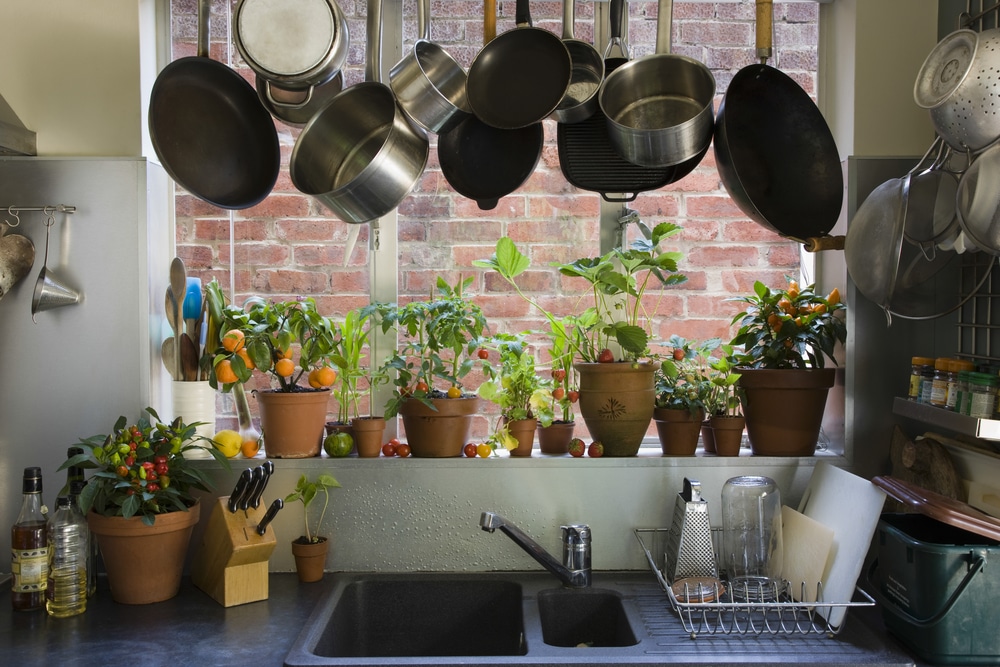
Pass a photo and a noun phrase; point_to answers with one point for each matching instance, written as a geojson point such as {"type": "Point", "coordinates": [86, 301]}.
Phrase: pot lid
{"type": "Point", "coordinates": [15, 138]}
{"type": "Point", "coordinates": [946, 510]}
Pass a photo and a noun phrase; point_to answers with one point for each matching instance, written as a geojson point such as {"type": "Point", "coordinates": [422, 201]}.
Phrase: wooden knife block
{"type": "Point", "coordinates": [231, 565]}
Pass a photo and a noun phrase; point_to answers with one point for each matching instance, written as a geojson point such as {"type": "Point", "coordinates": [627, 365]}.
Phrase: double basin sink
{"type": "Point", "coordinates": [528, 618]}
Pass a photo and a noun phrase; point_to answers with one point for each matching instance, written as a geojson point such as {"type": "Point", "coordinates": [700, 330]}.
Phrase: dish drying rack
{"type": "Point", "coordinates": [725, 616]}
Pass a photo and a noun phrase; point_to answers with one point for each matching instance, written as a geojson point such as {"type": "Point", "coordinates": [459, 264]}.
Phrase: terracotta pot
{"type": "Point", "coordinates": [523, 431]}
{"type": "Point", "coordinates": [438, 433]}
{"type": "Point", "coordinates": [310, 559]}
{"type": "Point", "coordinates": [784, 408]}
{"type": "Point", "coordinates": [707, 437]}
{"type": "Point", "coordinates": [368, 435]}
{"type": "Point", "coordinates": [292, 422]}
{"type": "Point", "coordinates": [616, 403]}
{"type": "Point", "coordinates": [678, 430]}
{"type": "Point", "coordinates": [727, 431]}
{"type": "Point", "coordinates": [144, 563]}
{"type": "Point", "coordinates": [554, 438]}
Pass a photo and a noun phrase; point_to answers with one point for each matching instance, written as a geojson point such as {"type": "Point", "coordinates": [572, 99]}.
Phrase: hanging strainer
{"type": "Point", "coordinates": [959, 84]}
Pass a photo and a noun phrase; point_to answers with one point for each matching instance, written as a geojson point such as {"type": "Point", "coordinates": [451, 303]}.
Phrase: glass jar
{"type": "Point", "coordinates": [960, 384]}
{"type": "Point", "coordinates": [983, 392]}
{"type": "Point", "coordinates": [751, 538]}
{"type": "Point", "coordinates": [920, 365]}
{"type": "Point", "coordinates": [939, 384]}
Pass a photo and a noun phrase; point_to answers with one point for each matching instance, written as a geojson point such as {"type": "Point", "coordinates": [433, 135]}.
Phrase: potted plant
{"type": "Point", "coordinates": [726, 421]}
{"type": "Point", "coordinates": [554, 438]}
{"type": "Point", "coordinates": [440, 344]}
{"type": "Point", "coordinates": [310, 548]}
{"type": "Point", "coordinates": [616, 399]}
{"type": "Point", "coordinates": [140, 503]}
{"type": "Point", "coordinates": [358, 375]}
{"type": "Point", "coordinates": [524, 398]}
{"type": "Point", "coordinates": [684, 391]}
{"type": "Point", "coordinates": [786, 335]}
{"type": "Point", "coordinates": [265, 338]}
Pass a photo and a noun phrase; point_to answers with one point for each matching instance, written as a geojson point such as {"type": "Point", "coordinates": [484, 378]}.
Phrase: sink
{"type": "Point", "coordinates": [584, 617]}
{"type": "Point", "coordinates": [425, 617]}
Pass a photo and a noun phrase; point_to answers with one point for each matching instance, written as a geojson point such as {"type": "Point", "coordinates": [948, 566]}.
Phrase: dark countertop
{"type": "Point", "coordinates": [193, 629]}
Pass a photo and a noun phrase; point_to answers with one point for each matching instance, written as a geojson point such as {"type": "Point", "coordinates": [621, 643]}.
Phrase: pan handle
{"type": "Point", "coordinates": [664, 24]}
{"type": "Point", "coordinates": [820, 243]}
{"type": "Point", "coordinates": [373, 43]}
{"type": "Point", "coordinates": [765, 18]}
{"type": "Point", "coordinates": [423, 23]}
{"type": "Point", "coordinates": [204, 23]}
{"type": "Point", "coordinates": [617, 42]}
{"type": "Point", "coordinates": [489, 21]}
{"type": "Point", "coordinates": [522, 14]}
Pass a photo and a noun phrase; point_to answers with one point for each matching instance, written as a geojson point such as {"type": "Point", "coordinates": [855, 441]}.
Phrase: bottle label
{"type": "Point", "coordinates": [29, 569]}
{"type": "Point", "coordinates": [915, 381]}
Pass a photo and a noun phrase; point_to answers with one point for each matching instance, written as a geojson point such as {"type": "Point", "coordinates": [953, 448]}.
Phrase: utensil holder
{"type": "Point", "coordinates": [232, 564]}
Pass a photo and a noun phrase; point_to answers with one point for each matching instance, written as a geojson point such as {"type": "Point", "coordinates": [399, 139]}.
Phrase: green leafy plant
{"type": "Point", "coordinates": [564, 381]}
{"type": "Point", "coordinates": [683, 380]}
{"type": "Point", "coordinates": [725, 400]}
{"type": "Point", "coordinates": [440, 341]}
{"type": "Point", "coordinates": [305, 492]}
{"type": "Point", "coordinates": [515, 386]}
{"type": "Point", "coordinates": [272, 333]}
{"type": "Point", "coordinates": [357, 377]}
{"type": "Point", "coordinates": [618, 281]}
{"type": "Point", "coordinates": [788, 328]}
{"type": "Point", "coordinates": [140, 469]}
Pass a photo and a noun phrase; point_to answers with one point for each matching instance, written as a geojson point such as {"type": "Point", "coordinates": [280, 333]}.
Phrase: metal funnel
{"type": "Point", "coordinates": [50, 293]}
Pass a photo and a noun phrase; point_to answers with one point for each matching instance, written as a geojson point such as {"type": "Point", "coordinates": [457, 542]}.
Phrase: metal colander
{"type": "Point", "coordinates": [959, 84]}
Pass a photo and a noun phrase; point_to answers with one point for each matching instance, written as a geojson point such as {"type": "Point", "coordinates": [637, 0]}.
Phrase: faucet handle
{"type": "Point", "coordinates": [576, 534]}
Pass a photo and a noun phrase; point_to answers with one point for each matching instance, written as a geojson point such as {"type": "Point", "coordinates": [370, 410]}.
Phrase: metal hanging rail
{"type": "Point", "coordinates": [49, 210]}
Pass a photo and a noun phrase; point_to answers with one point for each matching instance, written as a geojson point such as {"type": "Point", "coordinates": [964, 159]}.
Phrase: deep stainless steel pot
{"type": "Point", "coordinates": [659, 108]}
{"type": "Point", "coordinates": [429, 84]}
{"type": "Point", "coordinates": [360, 156]}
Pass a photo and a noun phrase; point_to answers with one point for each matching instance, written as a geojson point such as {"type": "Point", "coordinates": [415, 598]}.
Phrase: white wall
{"type": "Point", "coordinates": [70, 70]}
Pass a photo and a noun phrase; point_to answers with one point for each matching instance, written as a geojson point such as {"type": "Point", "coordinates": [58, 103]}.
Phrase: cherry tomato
{"type": "Point", "coordinates": [422, 386]}
{"type": "Point", "coordinates": [678, 354]}
{"type": "Point", "coordinates": [470, 450]}
{"type": "Point", "coordinates": [394, 441]}
{"type": "Point", "coordinates": [388, 449]}
{"type": "Point", "coordinates": [454, 392]}
{"type": "Point", "coordinates": [484, 450]}
{"type": "Point", "coordinates": [606, 356]}
{"type": "Point", "coordinates": [483, 353]}
{"type": "Point", "coordinates": [403, 450]}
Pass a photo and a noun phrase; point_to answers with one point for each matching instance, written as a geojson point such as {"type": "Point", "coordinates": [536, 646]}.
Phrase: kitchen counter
{"type": "Point", "coordinates": [192, 629]}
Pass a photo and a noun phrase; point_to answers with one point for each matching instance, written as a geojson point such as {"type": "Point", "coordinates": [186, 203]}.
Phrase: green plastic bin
{"type": "Point", "coordinates": [939, 589]}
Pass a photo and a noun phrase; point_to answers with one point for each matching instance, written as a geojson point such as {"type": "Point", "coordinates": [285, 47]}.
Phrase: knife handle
{"type": "Point", "coordinates": [240, 490]}
{"type": "Point", "coordinates": [255, 482]}
{"type": "Point", "coordinates": [271, 512]}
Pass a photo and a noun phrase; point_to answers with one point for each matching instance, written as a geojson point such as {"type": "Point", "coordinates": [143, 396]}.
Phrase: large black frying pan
{"type": "Point", "coordinates": [210, 131]}
{"type": "Point", "coordinates": [587, 157]}
{"type": "Point", "coordinates": [485, 163]}
{"type": "Point", "coordinates": [520, 77]}
{"type": "Point", "coordinates": [775, 153]}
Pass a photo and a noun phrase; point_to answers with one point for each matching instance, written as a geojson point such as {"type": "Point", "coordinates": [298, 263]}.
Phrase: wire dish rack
{"type": "Point", "coordinates": [714, 610]}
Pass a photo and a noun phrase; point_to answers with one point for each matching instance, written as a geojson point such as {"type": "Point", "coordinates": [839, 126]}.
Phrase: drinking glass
{"type": "Point", "coordinates": [751, 537]}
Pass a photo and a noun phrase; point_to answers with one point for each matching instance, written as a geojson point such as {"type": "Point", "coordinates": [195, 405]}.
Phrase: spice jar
{"type": "Point", "coordinates": [939, 383]}
{"type": "Point", "coordinates": [983, 391]}
{"type": "Point", "coordinates": [959, 383]}
{"type": "Point", "coordinates": [921, 367]}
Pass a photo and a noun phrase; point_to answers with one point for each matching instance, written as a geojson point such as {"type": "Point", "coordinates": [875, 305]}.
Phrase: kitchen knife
{"type": "Point", "coordinates": [255, 483]}
{"type": "Point", "coordinates": [239, 491]}
{"type": "Point", "coordinates": [268, 467]}
{"type": "Point", "coordinates": [271, 511]}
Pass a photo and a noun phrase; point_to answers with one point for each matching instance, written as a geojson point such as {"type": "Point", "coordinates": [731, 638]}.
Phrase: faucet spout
{"type": "Point", "coordinates": [574, 571]}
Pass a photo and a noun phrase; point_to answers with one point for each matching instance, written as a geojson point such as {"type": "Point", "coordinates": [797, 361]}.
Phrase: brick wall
{"type": "Point", "coordinates": [290, 245]}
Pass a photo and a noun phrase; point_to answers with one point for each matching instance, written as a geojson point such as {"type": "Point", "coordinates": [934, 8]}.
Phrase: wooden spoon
{"type": "Point", "coordinates": [169, 355]}
{"type": "Point", "coordinates": [189, 358]}
{"type": "Point", "coordinates": [178, 283]}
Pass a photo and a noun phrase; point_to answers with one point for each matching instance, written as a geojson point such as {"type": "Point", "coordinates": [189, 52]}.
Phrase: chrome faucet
{"type": "Point", "coordinates": [574, 571]}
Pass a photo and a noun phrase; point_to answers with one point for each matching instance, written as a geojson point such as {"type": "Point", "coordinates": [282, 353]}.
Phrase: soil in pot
{"type": "Point", "coordinates": [367, 432]}
{"type": "Point", "coordinates": [554, 438]}
{"type": "Point", "coordinates": [678, 430]}
{"type": "Point", "coordinates": [310, 558]}
{"type": "Point", "coordinates": [442, 432]}
{"type": "Point", "coordinates": [523, 431]}
{"type": "Point", "coordinates": [784, 409]}
{"type": "Point", "coordinates": [727, 431]}
{"type": "Point", "coordinates": [616, 403]}
{"type": "Point", "coordinates": [293, 422]}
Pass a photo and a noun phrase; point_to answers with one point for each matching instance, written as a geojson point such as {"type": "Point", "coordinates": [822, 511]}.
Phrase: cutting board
{"type": "Point", "coordinates": [850, 506]}
{"type": "Point", "coordinates": [807, 545]}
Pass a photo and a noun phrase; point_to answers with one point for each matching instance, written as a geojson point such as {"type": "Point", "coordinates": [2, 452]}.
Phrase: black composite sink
{"type": "Point", "coordinates": [584, 618]}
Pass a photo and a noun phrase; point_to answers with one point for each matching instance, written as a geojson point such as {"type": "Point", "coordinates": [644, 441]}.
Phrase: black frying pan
{"type": "Point", "coordinates": [775, 153]}
{"type": "Point", "coordinates": [520, 77]}
{"type": "Point", "coordinates": [485, 163]}
{"type": "Point", "coordinates": [210, 131]}
{"type": "Point", "coordinates": [587, 157]}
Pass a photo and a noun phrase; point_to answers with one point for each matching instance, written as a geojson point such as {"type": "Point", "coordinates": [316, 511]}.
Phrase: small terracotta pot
{"type": "Point", "coordinates": [144, 563]}
{"type": "Point", "coordinates": [523, 431]}
{"type": "Point", "coordinates": [707, 437]}
{"type": "Point", "coordinates": [678, 430]}
{"type": "Point", "coordinates": [310, 559]}
{"type": "Point", "coordinates": [728, 433]}
{"type": "Point", "coordinates": [554, 438]}
{"type": "Point", "coordinates": [292, 422]}
{"type": "Point", "coordinates": [784, 408]}
{"type": "Point", "coordinates": [367, 433]}
{"type": "Point", "coordinates": [438, 433]}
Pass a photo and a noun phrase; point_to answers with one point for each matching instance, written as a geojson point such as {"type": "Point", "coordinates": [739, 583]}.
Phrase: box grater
{"type": "Point", "coordinates": [689, 545]}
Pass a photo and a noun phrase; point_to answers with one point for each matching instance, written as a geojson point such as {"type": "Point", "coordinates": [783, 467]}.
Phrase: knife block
{"type": "Point", "coordinates": [231, 565]}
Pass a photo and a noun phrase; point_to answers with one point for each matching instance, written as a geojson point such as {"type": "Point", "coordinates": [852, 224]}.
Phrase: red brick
{"type": "Point", "coordinates": [719, 255]}
{"type": "Point", "coordinates": [310, 229]}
